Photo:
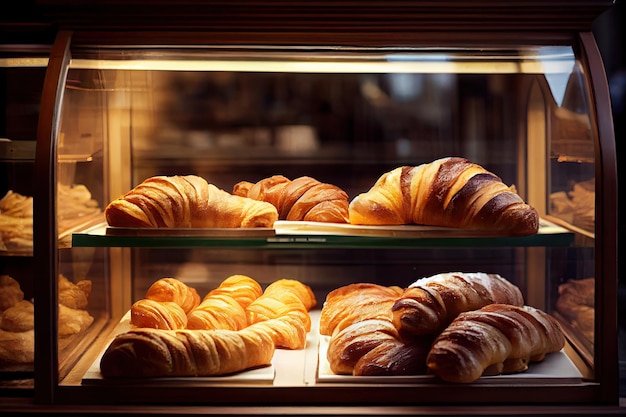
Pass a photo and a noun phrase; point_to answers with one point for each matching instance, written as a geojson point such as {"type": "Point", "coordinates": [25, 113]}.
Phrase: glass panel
{"type": "Point", "coordinates": [343, 116]}
{"type": "Point", "coordinates": [21, 81]}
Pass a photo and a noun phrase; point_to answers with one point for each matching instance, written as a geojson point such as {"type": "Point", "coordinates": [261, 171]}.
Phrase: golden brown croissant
{"type": "Point", "coordinates": [176, 291]}
{"type": "Point", "coordinates": [10, 292]}
{"type": "Point", "coordinates": [281, 297]}
{"type": "Point", "coordinates": [240, 287]}
{"type": "Point", "coordinates": [290, 301]}
{"type": "Point", "coordinates": [17, 347]}
{"type": "Point", "coordinates": [158, 353]}
{"type": "Point", "coordinates": [356, 302]}
{"type": "Point", "coordinates": [74, 295]}
{"type": "Point", "coordinates": [304, 198]}
{"type": "Point", "coordinates": [225, 306]}
{"type": "Point", "coordinates": [157, 315]}
{"type": "Point", "coordinates": [72, 321]}
{"type": "Point", "coordinates": [374, 347]}
{"type": "Point", "coordinates": [451, 192]}
{"type": "Point", "coordinates": [186, 201]}
{"type": "Point", "coordinates": [18, 318]}
{"type": "Point", "coordinates": [301, 290]}
{"type": "Point", "coordinates": [498, 338]}
{"type": "Point", "coordinates": [430, 304]}
{"type": "Point", "coordinates": [217, 311]}
{"type": "Point", "coordinates": [287, 331]}
{"type": "Point", "coordinates": [576, 302]}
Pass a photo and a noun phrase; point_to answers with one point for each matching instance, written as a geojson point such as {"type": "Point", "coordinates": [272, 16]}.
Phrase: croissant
{"type": "Point", "coordinates": [10, 292]}
{"type": "Point", "coordinates": [281, 297]}
{"type": "Point", "coordinates": [240, 287]}
{"type": "Point", "coordinates": [186, 201]}
{"type": "Point", "coordinates": [71, 322]}
{"type": "Point", "coordinates": [157, 315]}
{"type": "Point", "coordinates": [287, 331]}
{"type": "Point", "coordinates": [218, 311]}
{"type": "Point", "coordinates": [356, 302]}
{"type": "Point", "coordinates": [374, 347]}
{"type": "Point", "coordinates": [74, 295]}
{"type": "Point", "coordinates": [430, 304]}
{"type": "Point", "coordinates": [289, 300]}
{"type": "Point", "coordinates": [17, 347]}
{"type": "Point", "coordinates": [176, 291]}
{"type": "Point", "coordinates": [498, 338]}
{"type": "Point", "coordinates": [18, 318]}
{"type": "Point", "coordinates": [304, 198]}
{"type": "Point", "coordinates": [163, 353]}
{"type": "Point", "coordinates": [451, 192]}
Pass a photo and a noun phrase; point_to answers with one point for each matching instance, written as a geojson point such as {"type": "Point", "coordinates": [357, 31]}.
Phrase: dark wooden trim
{"type": "Point", "coordinates": [400, 16]}
{"type": "Point", "coordinates": [606, 221]}
{"type": "Point", "coordinates": [45, 223]}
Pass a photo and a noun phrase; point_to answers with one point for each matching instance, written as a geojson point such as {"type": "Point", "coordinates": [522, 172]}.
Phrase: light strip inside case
{"type": "Point", "coordinates": [553, 60]}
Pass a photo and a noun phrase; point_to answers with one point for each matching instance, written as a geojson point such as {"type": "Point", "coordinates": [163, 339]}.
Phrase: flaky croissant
{"type": "Point", "coordinates": [167, 315]}
{"type": "Point", "coordinates": [240, 287]}
{"type": "Point", "coordinates": [356, 302]}
{"type": "Point", "coordinates": [224, 307]}
{"type": "Point", "coordinates": [186, 201]}
{"type": "Point", "coordinates": [160, 353]}
{"type": "Point", "coordinates": [176, 291]}
{"type": "Point", "coordinates": [10, 292]}
{"type": "Point", "coordinates": [287, 300]}
{"type": "Point", "coordinates": [74, 295]}
{"type": "Point", "coordinates": [374, 347]}
{"type": "Point", "coordinates": [450, 192]}
{"type": "Point", "coordinates": [498, 338]}
{"type": "Point", "coordinates": [304, 198]}
{"type": "Point", "coordinates": [218, 311]}
{"type": "Point", "coordinates": [430, 304]}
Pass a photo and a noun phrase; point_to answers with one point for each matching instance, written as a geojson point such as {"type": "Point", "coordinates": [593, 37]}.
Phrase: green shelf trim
{"type": "Point", "coordinates": [317, 241]}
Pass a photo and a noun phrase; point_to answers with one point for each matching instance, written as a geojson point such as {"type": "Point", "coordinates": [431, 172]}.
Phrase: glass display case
{"type": "Point", "coordinates": [120, 107]}
{"type": "Point", "coordinates": [22, 71]}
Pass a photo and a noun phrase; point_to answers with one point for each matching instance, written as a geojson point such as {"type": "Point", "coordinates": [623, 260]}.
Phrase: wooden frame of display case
{"type": "Point", "coordinates": [370, 24]}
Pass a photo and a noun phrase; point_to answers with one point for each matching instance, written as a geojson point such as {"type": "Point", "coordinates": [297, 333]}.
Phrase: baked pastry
{"type": "Point", "coordinates": [356, 302]}
{"type": "Point", "coordinates": [17, 348]}
{"type": "Point", "coordinates": [153, 314]}
{"type": "Point", "coordinates": [74, 295]}
{"type": "Point", "coordinates": [10, 292]}
{"type": "Point", "coordinates": [240, 287]}
{"type": "Point", "coordinates": [17, 322]}
{"type": "Point", "coordinates": [72, 321]}
{"type": "Point", "coordinates": [450, 192]}
{"type": "Point", "coordinates": [498, 338]}
{"type": "Point", "coordinates": [290, 301]}
{"type": "Point", "coordinates": [281, 297]}
{"type": "Point", "coordinates": [304, 198]}
{"type": "Point", "coordinates": [18, 318]}
{"type": "Point", "coordinates": [576, 302]}
{"type": "Point", "coordinates": [374, 347]}
{"type": "Point", "coordinates": [287, 331]}
{"type": "Point", "coordinates": [158, 353]}
{"type": "Point", "coordinates": [218, 311]}
{"type": "Point", "coordinates": [176, 291]}
{"type": "Point", "coordinates": [184, 202]}
{"type": "Point", "coordinates": [429, 304]}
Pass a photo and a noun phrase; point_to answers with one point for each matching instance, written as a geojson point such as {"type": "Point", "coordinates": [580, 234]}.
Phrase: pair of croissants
{"type": "Point", "coordinates": [457, 326]}
{"type": "Point", "coordinates": [235, 327]}
{"type": "Point", "coordinates": [450, 192]}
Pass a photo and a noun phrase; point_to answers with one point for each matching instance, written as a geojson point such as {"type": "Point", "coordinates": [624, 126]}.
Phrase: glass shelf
{"type": "Point", "coordinates": [298, 235]}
